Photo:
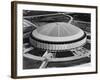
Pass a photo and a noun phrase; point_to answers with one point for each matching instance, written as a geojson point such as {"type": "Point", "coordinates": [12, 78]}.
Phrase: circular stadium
{"type": "Point", "coordinates": [58, 36]}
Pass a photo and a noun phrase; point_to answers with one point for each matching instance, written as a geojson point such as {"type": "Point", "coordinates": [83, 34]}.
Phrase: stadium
{"type": "Point", "coordinates": [55, 39]}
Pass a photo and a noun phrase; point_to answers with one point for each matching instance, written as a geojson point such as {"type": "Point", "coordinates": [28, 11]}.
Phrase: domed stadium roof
{"type": "Point", "coordinates": [58, 36]}
{"type": "Point", "coordinates": [58, 31]}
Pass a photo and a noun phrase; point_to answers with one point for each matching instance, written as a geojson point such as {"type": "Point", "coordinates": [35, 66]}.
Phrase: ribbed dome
{"type": "Point", "coordinates": [58, 29]}
{"type": "Point", "coordinates": [58, 36]}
